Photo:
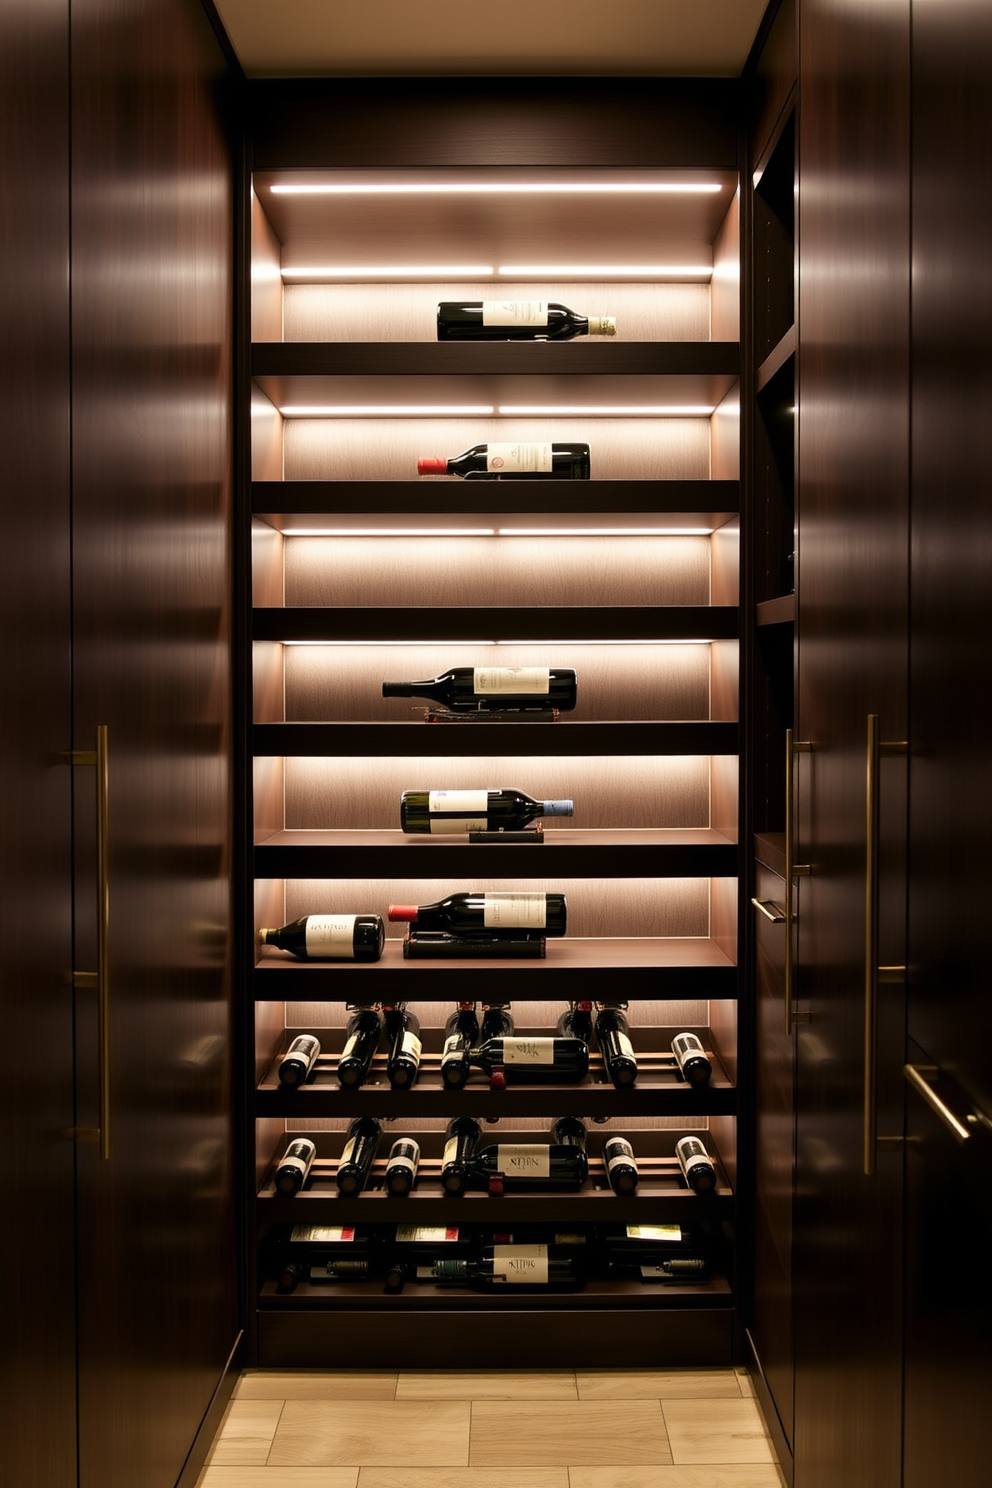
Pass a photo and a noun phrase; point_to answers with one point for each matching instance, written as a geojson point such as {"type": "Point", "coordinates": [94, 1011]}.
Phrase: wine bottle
{"type": "Point", "coordinates": [497, 1021]}
{"type": "Point", "coordinates": [576, 1022]}
{"type": "Point", "coordinates": [299, 1059]}
{"type": "Point", "coordinates": [517, 320]}
{"type": "Point", "coordinates": [356, 1270]}
{"type": "Point", "coordinates": [480, 945]}
{"type": "Point", "coordinates": [460, 914]}
{"type": "Point", "coordinates": [621, 1165]}
{"type": "Point", "coordinates": [361, 1041]}
{"type": "Point", "coordinates": [532, 1060]}
{"type": "Point", "coordinates": [697, 1167]}
{"type": "Point", "coordinates": [460, 1033]}
{"type": "Point", "coordinates": [444, 811]}
{"type": "Point", "coordinates": [403, 1036]}
{"type": "Point", "coordinates": [512, 1265]}
{"type": "Point", "coordinates": [691, 1059]}
{"type": "Point", "coordinates": [614, 1043]}
{"type": "Point", "coordinates": [358, 1154]}
{"type": "Point", "coordinates": [461, 1139]}
{"type": "Point", "coordinates": [401, 1166]}
{"type": "Point", "coordinates": [330, 937]}
{"type": "Point", "coordinates": [294, 1165]}
{"type": "Point", "coordinates": [538, 460]}
{"type": "Point", "coordinates": [559, 1164]}
{"type": "Point", "coordinates": [494, 689]}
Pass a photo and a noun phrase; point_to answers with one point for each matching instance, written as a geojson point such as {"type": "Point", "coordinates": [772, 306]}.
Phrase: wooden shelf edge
{"type": "Point", "coordinates": [778, 611]}
{"type": "Point", "coordinates": [550, 623]}
{"type": "Point", "coordinates": [415, 739]}
{"type": "Point", "coordinates": [468, 359]}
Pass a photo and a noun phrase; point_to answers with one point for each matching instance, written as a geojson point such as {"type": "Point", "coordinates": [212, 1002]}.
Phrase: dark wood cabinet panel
{"type": "Point", "coordinates": [37, 1406]}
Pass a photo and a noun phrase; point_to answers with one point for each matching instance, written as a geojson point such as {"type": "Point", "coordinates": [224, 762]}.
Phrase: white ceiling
{"type": "Point", "coordinates": [378, 38]}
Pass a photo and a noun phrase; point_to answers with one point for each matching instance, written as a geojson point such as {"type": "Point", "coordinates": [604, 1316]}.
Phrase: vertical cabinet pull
{"type": "Point", "coordinates": [100, 979]}
{"type": "Point", "coordinates": [873, 972]}
{"type": "Point", "coordinates": [792, 868]}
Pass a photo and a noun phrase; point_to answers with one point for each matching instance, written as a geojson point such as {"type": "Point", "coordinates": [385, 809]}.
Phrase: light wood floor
{"type": "Point", "coordinates": [551, 1429]}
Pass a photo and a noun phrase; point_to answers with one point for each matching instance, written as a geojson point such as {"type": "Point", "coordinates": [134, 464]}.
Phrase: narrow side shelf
{"type": "Point", "coordinates": [778, 611]}
{"type": "Point", "coordinates": [510, 623]}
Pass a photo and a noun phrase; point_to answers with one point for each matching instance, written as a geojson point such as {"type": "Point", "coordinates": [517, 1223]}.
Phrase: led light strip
{"type": "Point", "coordinates": [496, 531]}
{"type": "Point", "coordinates": [496, 188]}
{"type": "Point", "coordinates": [467, 410]}
{"type": "Point", "coordinates": [484, 271]}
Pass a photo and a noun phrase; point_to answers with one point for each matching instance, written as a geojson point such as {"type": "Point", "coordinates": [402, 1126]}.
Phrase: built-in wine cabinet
{"type": "Point", "coordinates": [362, 572]}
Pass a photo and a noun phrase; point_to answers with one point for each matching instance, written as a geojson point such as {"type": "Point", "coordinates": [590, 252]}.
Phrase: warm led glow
{"type": "Point", "coordinates": [445, 641]}
{"type": "Point", "coordinates": [556, 410]}
{"type": "Point", "coordinates": [605, 531]}
{"type": "Point", "coordinates": [388, 531]}
{"type": "Point", "coordinates": [608, 271]}
{"type": "Point", "coordinates": [336, 644]}
{"type": "Point", "coordinates": [375, 410]}
{"type": "Point", "coordinates": [391, 271]}
{"type": "Point", "coordinates": [495, 188]}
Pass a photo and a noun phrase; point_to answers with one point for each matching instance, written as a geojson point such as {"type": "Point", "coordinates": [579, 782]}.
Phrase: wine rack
{"type": "Point", "coordinates": [359, 572]}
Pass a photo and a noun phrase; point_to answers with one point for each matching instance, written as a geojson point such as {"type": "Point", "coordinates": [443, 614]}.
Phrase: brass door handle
{"type": "Point", "coordinates": [770, 910]}
{"type": "Point", "coordinates": [915, 1075]}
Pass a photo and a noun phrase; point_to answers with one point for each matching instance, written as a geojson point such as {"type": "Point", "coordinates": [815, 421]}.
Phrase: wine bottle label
{"type": "Point", "coordinates": [321, 1234]}
{"type": "Point", "coordinates": [409, 1163]}
{"type": "Point", "coordinates": [529, 680]}
{"type": "Point", "coordinates": [349, 1148]}
{"type": "Point", "coordinates": [303, 1046]}
{"type": "Point", "coordinates": [532, 458]}
{"type": "Point", "coordinates": [528, 1051]}
{"type": "Point", "coordinates": [625, 1046]}
{"type": "Point", "coordinates": [450, 1149]}
{"type": "Point", "coordinates": [294, 1165]}
{"type": "Point", "coordinates": [425, 1234]}
{"type": "Point", "coordinates": [533, 1162]}
{"type": "Point", "coordinates": [467, 810]}
{"type": "Point", "coordinates": [350, 1043]}
{"type": "Point", "coordinates": [671, 1234]}
{"type": "Point", "coordinates": [331, 935]}
{"type": "Point", "coordinates": [521, 1263]}
{"type": "Point", "coordinates": [688, 1148]}
{"type": "Point", "coordinates": [621, 1155]}
{"type": "Point", "coordinates": [527, 910]}
{"type": "Point", "coordinates": [515, 313]}
{"type": "Point", "coordinates": [454, 1049]}
{"type": "Point", "coordinates": [686, 1043]}
{"type": "Point", "coordinates": [410, 1045]}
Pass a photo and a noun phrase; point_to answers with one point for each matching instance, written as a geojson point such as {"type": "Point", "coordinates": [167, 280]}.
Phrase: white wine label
{"type": "Point", "coordinates": [527, 910]}
{"type": "Point", "coordinates": [470, 805]}
{"type": "Point", "coordinates": [515, 313]}
{"type": "Point", "coordinates": [295, 1164]}
{"type": "Point", "coordinates": [672, 1234]}
{"type": "Point", "coordinates": [533, 1162]}
{"type": "Point", "coordinates": [411, 1045]}
{"type": "Point", "coordinates": [322, 1234]}
{"type": "Point", "coordinates": [303, 1046]}
{"type": "Point", "coordinates": [626, 1047]}
{"type": "Point", "coordinates": [425, 1234]}
{"type": "Point", "coordinates": [624, 1154]}
{"type": "Point", "coordinates": [349, 1148]}
{"type": "Point", "coordinates": [350, 1043]}
{"type": "Point", "coordinates": [502, 459]}
{"type": "Point", "coordinates": [409, 1163]}
{"type": "Point", "coordinates": [528, 1051]}
{"type": "Point", "coordinates": [331, 935]}
{"type": "Point", "coordinates": [521, 1263]}
{"type": "Point", "coordinates": [450, 1149]}
{"type": "Point", "coordinates": [453, 1049]}
{"type": "Point", "coordinates": [534, 681]}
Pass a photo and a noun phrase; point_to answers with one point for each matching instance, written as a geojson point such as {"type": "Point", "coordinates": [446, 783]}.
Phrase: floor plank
{"type": "Point", "coordinates": [315, 1384]}
{"type": "Point", "coordinates": [463, 1477]}
{"type": "Point", "coordinates": [278, 1477]}
{"type": "Point", "coordinates": [397, 1433]}
{"type": "Point", "coordinates": [652, 1384]}
{"type": "Point", "coordinates": [245, 1433]}
{"type": "Point", "coordinates": [582, 1432]}
{"type": "Point", "coordinates": [459, 1384]}
{"type": "Point", "coordinates": [714, 1476]}
{"type": "Point", "coordinates": [713, 1431]}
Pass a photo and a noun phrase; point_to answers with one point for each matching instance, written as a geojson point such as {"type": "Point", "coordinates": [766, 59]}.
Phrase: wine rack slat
{"type": "Point", "coordinates": [413, 740]}
{"type": "Point", "coordinates": [511, 623]}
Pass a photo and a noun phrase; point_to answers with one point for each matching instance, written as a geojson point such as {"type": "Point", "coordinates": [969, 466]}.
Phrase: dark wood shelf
{"type": "Point", "coordinates": [457, 359]}
{"type": "Point", "coordinates": [518, 504]}
{"type": "Point", "coordinates": [650, 968]}
{"type": "Point", "coordinates": [778, 611]}
{"type": "Point", "coordinates": [777, 358]}
{"type": "Point", "coordinates": [510, 623]}
{"type": "Point", "coordinates": [419, 1296]}
{"type": "Point", "coordinates": [414, 740]}
{"type": "Point", "coordinates": [671, 853]}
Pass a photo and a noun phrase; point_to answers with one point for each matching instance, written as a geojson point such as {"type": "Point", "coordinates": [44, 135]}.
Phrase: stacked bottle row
{"type": "Point", "coordinates": [491, 1046]}
{"type": "Point", "coordinates": [526, 1256]}
{"type": "Point", "coordinates": [560, 1164]}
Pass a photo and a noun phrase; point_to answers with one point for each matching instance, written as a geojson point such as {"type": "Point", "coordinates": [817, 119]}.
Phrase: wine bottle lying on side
{"type": "Point", "coordinates": [501, 689]}
{"type": "Point", "coordinates": [329, 937]}
{"type": "Point", "coordinates": [521, 461]}
{"type": "Point", "coordinates": [517, 320]}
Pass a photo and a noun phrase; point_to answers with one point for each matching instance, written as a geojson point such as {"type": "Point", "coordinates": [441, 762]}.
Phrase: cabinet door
{"type": "Point", "coordinates": [37, 1403]}
{"type": "Point", "coordinates": [151, 229]}
{"type": "Point", "coordinates": [852, 588]}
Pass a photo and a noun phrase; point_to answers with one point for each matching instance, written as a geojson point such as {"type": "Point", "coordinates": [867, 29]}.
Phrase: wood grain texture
{"type": "Point", "coordinates": [219, 1475]}
{"type": "Point", "coordinates": [266, 284]}
{"type": "Point", "coordinates": [464, 1477]}
{"type": "Point", "coordinates": [398, 1434]}
{"type": "Point", "coordinates": [246, 1432]}
{"type": "Point", "coordinates": [709, 1431]}
{"type": "Point", "coordinates": [315, 1384]}
{"type": "Point", "coordinates": [653, 1384]}
{"type": "Point", "coordinates": [725, 287]}
{"type": "Point", "coordinates": [583, 1434]}
{"type": "Point", "coordinates": [266, 438]}
{"type": "Point", "coordinates": [408, 312]}
{"type": "Point", "coordinates": [711, 1476]}
{"type": "Point", "coordinates": [459, 1384]}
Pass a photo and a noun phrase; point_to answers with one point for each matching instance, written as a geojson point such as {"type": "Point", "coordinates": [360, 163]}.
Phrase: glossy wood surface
{"type": "Point", "coordinates": [37, 1404]}
{"type": "Point", "coordinates": [852, 614]}
{"type": "Point", "coordinates": [151, 326]}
